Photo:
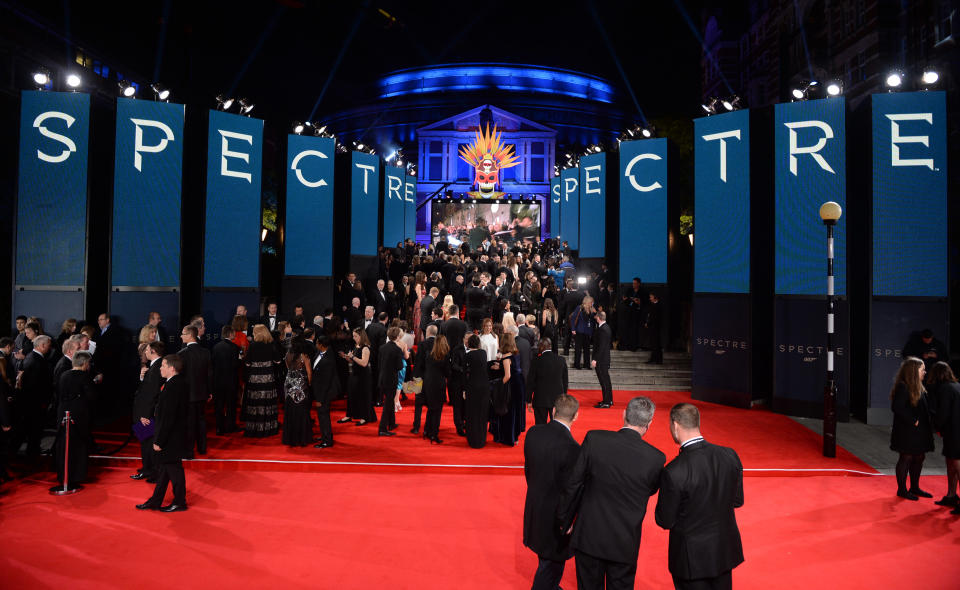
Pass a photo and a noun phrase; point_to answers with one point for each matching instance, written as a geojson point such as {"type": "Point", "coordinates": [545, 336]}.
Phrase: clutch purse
{"type": "Point", "coordinates": [415, 386]}
{"type": "Point", "coordinates": [143, 432]}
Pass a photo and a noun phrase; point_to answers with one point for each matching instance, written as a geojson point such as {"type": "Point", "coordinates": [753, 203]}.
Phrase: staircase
{"type": "Point", "coordinates": [629, 371]}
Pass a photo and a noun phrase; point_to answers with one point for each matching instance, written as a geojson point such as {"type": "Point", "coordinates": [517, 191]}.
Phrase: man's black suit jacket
{"type": "Point", "coordinates": [454, 330]}
{"type": "Point", "coordinates": [225, 357]}
{"type": "Point", "coordinates": [145, 399]}
{"type": "Point", "coordinates": [423, 353]}
{"type": "Point", "coordinates": [325, 383]}
{"type": "Point", "coordinates": [379, 301]}
{"type": "Point", "coordinates": [63, 365]}
{"type": "Point", "coordinates": [197, 372]}
{"type": "Point", "coordinates": [171, 428]}
{"type": "Point", "coordinates": [36, 383]}
{"type": "Point", "coordinates": [549, 454]}
{"type": "Point", "coordinates": [698, 493]}
{"type": "Point", "coordinates": [614, 477]}
{"type": "Point", "coordinates": [390, 358]}
{"type": "Point", "coordinates": [377, 333]}
{"type": "Point", "coordinates": [547, 379]}
{"type": "Point", "coordinates": [601, 345]}
{"type": "Point", "coordinates": [426, 306]}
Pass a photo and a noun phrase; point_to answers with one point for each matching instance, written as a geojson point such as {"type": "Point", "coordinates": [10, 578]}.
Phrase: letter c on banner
{"type": "Point", "coordinates": [152, 149]}
{"type": "Point", "coordinates": [633, 180]}
{"type": "Point", "coordinates": [296, 161]}
{"type": "Point", "coordinates": [71, 147]}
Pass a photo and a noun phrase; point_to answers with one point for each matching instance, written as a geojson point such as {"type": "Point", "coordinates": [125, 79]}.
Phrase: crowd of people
{"type": "Point", "coordinates": [481, 330]}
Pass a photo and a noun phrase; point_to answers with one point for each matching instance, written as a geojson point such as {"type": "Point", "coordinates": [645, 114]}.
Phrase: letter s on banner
{"type": "Point", "coordinates": [71, 146]}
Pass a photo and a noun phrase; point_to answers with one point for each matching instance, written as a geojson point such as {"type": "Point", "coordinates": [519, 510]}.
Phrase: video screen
{"type": "Point", "coordinates": [472, 223]}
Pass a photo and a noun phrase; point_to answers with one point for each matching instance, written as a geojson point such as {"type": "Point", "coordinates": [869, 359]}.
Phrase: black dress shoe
{"type": "Point", "coordinates": [435, 440]}
{"type": "Point", "coordinates": [461, 432]}
{"type": "Point", "coordinates": [148, 506]}
{"type": "Point", "coordinates": [173, 508]}
{"type": "Point", "coordinates": [907, 495]}
{"type": "Point", "coordinates": [955, 510]}
{"type": "Point", "coordinates": [140, 475]}
{"type": "Point", "coordinates": [386, 433]}
{"type": "Point", "coordinates": [921, 493]}
{"type": "Point", "coordinates": [414, 430]}
{"type": "Point", "coordinates": [323, 445]}
{"type": "Point", "coordinates": [392, 428]}
{"type": "Point", "coordinates": [344, 420]}
{"type": "Point", "coordinates": [948, 501]}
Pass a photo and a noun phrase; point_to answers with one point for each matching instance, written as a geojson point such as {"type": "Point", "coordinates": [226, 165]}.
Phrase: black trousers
{"type": "Point", "coordinates": [455, 393]}
{"type": "Point", "coordinates": [581, 345]}
{"type": "Point", "coordinates": [388, 418]}
{"type": "Point", "coordinates": [197, 428]}
{"type": "Point", "coordinates": [418, 404]}
{"type": "Point", "coordinates": [722, 582]}
{"type": "Point", "coordinates": [323, 421]}
{"type": "Point", "coordinates": [565, 335]}
{"type": "Point", "coordinates": [540, 415]}
{"type": "Point", "coordinates": [170, 473]}
{"type": "Point", "coordinates": [606, 387]}
{"type": "Point", "coordinates": [595, 573]}
{"type": "Point", "coordinates": [148, 457]}
{"type": "Point", "coordinates": [548, 576]}
{"type": "Point", "coordinates": [432, 427]}
{"type": "Point", "coordinates": [225, 405]}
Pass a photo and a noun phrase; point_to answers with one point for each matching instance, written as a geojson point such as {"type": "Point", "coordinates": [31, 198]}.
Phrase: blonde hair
{"type": "Point", "coordinates": [261, 334]}
{"type": "Point", "coordinates": [145, 334]}
{"type": "Point", "coordinates": [509, 323]}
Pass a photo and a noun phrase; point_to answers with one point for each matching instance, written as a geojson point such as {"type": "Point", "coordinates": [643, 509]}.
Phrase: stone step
{"type": "Point", "coordinates": [633, 380]}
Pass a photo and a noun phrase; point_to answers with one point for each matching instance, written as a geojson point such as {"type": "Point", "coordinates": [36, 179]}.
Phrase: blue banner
{"type": "Point", "coordinates": [234, 172]}
{"type": "Point", "coordinates": [410, 207]}
{"type": "Point", "coordinates": [364, 203]}
{"type": "Point", "coordinates": [148, 174]}
{"type": "Point", "coordinates": [643, 210]}
{"type": "Point", "coordinates": [721, 255]}
{"type": "Point", "coordinates": [308, 226]}
{"type": "Point", "coordinates": [810, 169]}
{"type": "Point", "coordinates": [910, 194]}
{"type": "Point", "coordinates": [394, 207]}
{"type": "Point", "coordinates": [570, 207]}
{"type": "Point", "coordinates": [555, 198]}
{"type": "Point", "coordinates": [52, 189]}
{"type": "Point", "coordinates": [593, 210]}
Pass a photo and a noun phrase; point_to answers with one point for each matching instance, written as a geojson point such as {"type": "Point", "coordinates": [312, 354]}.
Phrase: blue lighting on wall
{"type": "Point", "coordinates": [518, 78]}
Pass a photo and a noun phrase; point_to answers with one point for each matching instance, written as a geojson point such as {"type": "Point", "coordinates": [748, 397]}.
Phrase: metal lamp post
{"type": "Point", "coordinates": [830, 213]}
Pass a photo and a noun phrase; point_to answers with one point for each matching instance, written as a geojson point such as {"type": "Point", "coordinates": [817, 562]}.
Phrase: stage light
{"type": "Point", "coordinates": [411, 169]}
{"type": "Point", "coordinates": [126, 88]}
{"type": "Point", "coordinates": [74, 81]}
{"type": "Point", "coordinates": [581, 280]}
{"type": "Point", "coordinates": [342, 148]}
{"type": "Point", "coordinates": [930, 77]}
{"type": "Point", "coordinates": [710, 107]}
{"type": "Point", "coordinates": [463, 200]}
{"type": "Point", "coordinates": [298, 127]}
{"type": "Point", "coordinates": [797, 93]}
{"type": "Point", "coordinates": [41, 78]}
{"type": "Point", "coordinates": [263, 235]}
{"type": "Point", "coordinates": [732, 103]}
{"type": "Point", "coordinates": [647, 133]}
{"type": "Point", "coordinates": [159, 92]}
{"type": "Point", "coordinates": [834, 88]}
{"type": "Point", "coordinates": [246, 106]}
{"type": "Point", "coordinates": [223, 103]}
{"type": "Point", "coordinates": [894, 80]}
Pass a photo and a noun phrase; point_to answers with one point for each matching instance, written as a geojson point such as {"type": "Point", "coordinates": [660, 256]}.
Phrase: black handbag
{"type": "Point", "coordinates": [499, 397]}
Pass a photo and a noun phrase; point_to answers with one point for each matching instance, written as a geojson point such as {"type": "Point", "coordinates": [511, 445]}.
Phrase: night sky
{"type": "Point", "coordinates": [280, 53]}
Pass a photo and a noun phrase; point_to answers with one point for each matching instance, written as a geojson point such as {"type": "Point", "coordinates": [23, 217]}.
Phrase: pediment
{"type": "Point", "coordinates": [470, 121]}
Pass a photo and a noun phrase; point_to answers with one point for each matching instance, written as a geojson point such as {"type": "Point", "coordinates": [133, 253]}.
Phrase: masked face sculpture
{"type": "Point", "coordinates": [488, 156]}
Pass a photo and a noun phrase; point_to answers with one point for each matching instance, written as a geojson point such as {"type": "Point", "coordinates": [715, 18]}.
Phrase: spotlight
{"type": "Point", "coordinates": [411, 169]}
{"type": "Point", "coordinates": [321, 131]}
{"type": "Point", "coordinates": [647, 133]}
{"type": "Point", "coordinates": [556, 169]}
{"type": "Point", "coordinates": [710, 107]}
{"type": "Point", "coordinates": [930, 77]}
{"type": "Point", "coordinates": [342, 148]}
{"type": "Point", "coordinates": [126, 88]}
{"type": "Point", "coordinates": [160, 92]}
{"type": "Point", "coordinates": [834, 88]}
{"type": "Point", "coordinates": [41, 78]}
{"type": "Point", "coordinates": [732, 103]}
{"type": "Point", "coordinates": [463, 201]}
{"type": "Point", "coordinates": [263, 235]}
{"type": "Point", "coordinates": [224, 103]}
{"type": "Point", "coordinates": [581, 280]}
{"type": "Point", "coordinates": [797, 93]}
{"type": "Point", "coordinates": [894, 80]}
{"type": "Point", "coordinates": [802, 91]}
{"type": "Point", "coordinates": [298, 127]}
{"type": "Point", "coordinates": [246, 106]}
{"type": "Point", "coordinates": [73, 80]}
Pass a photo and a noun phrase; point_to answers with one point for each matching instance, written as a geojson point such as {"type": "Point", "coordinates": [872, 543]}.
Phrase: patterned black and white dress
{"type": "Point", "coordinates": [261, 391]}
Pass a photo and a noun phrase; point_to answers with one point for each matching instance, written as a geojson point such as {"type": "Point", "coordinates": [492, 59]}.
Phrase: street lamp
{"type": "Point", "coordinates": [830, 213]}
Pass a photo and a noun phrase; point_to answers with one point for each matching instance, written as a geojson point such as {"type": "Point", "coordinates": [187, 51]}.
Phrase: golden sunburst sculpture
{"type": "Point", "coordinates": [488, 156]}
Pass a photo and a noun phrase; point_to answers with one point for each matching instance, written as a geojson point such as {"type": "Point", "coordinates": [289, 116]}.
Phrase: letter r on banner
{"type": "Point", "coordinates": [394, 183]}
{"type": "Point", "coordinates": [814, 149]}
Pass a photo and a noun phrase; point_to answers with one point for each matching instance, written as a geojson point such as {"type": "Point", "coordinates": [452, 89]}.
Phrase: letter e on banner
{"type": "Point", "coordinates": [896, 139]}
{"type": "Point", "coordinates": [226, 153]}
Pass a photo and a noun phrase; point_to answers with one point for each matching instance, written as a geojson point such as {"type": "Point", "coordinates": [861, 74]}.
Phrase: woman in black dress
{"type": "Point", "coordinates": [435, 373]}
{"type": "Point", "coordinates": [912, 434]}
{"type": "Point", "coordinates": [75, 392]}
{"type": "Point", "coordinates": [548, 321]}
{"type": "Point", "coordinates": [946, 391]}
{"type": "Point", "coordinates": [476, 394]}
{"type": "Point", "coordinates": [506, 429]}
{"type": "Point", "coordinates": [260, 362]}
{"type": "Point", "coordinates": [360, 392]}
{"type": "Point", "coordinates": [297, 428]}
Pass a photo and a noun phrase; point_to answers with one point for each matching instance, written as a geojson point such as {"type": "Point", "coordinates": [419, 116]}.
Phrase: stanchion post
{"type": "Point", "coordinates": [66, 490]}
{"type": "Point", "coordinates": [830, 213]}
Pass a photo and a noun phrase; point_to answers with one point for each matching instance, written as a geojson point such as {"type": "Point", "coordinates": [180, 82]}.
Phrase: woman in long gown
{"type": "Point", "coordinates": [419, 291]}
{"type": "Point", "coordinates": [76, 393]}
{"type": "Point", "coordinates": [435, 375]}
{"type": "Point", "coordinates": [476, 394]}
{"type": "Point", "coordinates": [297, 429]}
{"type": "Point", "coordinates": [360, 392]}
{"type": "Point", "coordinates": [261, 393]}
{"type": "Point", "coordinates": [548, 321]}
{"type": "Point", "coordinates": [506, 429]}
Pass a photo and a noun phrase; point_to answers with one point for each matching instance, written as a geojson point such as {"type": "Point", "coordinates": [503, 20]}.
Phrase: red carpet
{"type": "Point", "coordinates": [763, 439]}
{"type": "Point", "coordinates": [439, 531]}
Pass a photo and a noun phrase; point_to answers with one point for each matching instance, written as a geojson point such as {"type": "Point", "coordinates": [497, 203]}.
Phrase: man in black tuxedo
{"type": "Point", "coordinates": [353, 315]}
{"type": "Point", "coordinates": [454, 329]}
{"type": "Point", "coordinates": [601, 359]}
{"type": "Point", "coordinates": [225, 358]}
{"type": "Point", "coordinates": [426, 308]}
{"type": "Point", "coordinates": [271, 319]}
{"type": "Point", "coordinates": [549, 454]}
{"type": "Point", "coordinates": [198, 375]}
{"type": "Point", "coordinates": [377, 334]}
{"type": "Point", "coordinates": [35, 395]}
{"type": "Point", "coordinates": [380, 297]}
{"type": "Point", "coordinates": [65, 363]}
{"type": "Point", "coordinates": [369, 317]}
{"type": "Point", "coordinates": [607, 493]}
{"type": "Point", "coordinates": [326, 387]}
{"type": "Point", "coordinates": [569, 301]}
{"type": "Point", "coordinates": [699, 491]}
{"type": "Point", "coordinates": [109, 356]}
{"type": "Point", "coordinates": [171, 432]}
{"type": "Point", "coordinates": [546, 381]}
{"type": "Point", "coordinates": [145, 409]}
{"type": "Point", "coordinates": [652, 326]}
{"type": "Point", "coordinates": [391, 361]}
{"type": "Point", "coordinates": [419, 363]}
